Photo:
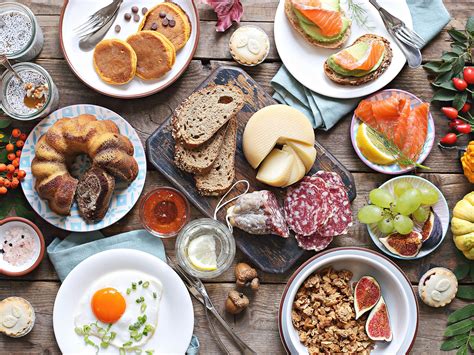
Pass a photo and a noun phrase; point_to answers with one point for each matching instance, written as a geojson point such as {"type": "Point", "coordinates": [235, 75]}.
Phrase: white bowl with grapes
{"type": "Point", "coordinates": [407, 217]}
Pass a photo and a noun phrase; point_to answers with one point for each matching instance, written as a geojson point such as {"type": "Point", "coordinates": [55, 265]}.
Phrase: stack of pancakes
{"type": "Point", "coordinates": [149, 53]}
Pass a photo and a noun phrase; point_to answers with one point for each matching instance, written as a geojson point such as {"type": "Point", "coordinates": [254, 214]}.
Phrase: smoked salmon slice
{"type": "Point", "coordinates": [328, 21]}
{"type": "Point", "coordinates": [417, 131]}
{"type": "Point", "coordinates": [368, 61]}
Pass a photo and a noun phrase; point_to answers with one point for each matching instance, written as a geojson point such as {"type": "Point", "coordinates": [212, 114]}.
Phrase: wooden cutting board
{"type": "Point", "coordinates": [270, 253]}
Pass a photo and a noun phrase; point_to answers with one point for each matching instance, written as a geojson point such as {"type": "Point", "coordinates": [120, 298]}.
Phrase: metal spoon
{"type": "Point", "coordinates": [6, 63]}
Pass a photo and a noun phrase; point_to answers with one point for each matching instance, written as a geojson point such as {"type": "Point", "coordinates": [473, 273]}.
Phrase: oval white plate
{"type": "Point", "coordinates": [176, 316]}
{"type": "Point", "coordinates": [124, 197]}
{"type": "Point", "coordinates": [76, 12]}
{"type": "Point", "coordinates": [440, 208]}
{"type": "Point", "coordinates": [394, 169]}
{"type": "Point", "coordinates": [396, 291]}
{"type": "Point", "coordinates": [305, 61]}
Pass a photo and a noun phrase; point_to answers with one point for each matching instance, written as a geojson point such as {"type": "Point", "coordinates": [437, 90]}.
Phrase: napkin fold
{"type": "Point", "coordinates": [429, 18]}
{"type": "Point", "coordinates": [66, 253]}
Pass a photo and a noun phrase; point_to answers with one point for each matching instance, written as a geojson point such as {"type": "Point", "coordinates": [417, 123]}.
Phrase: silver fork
{"type": "Point", "coordinates": [399, 28]}
{"type": "Point", "coordinates": [95, 21]}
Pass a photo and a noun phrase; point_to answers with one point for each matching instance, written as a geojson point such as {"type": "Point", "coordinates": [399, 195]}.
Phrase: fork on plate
{"type": "Point", "coordinates": [99, 19]}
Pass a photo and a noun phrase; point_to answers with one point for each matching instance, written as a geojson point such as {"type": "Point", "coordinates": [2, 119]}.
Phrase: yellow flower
{"type": "Point", "coordinates": [1, 135]}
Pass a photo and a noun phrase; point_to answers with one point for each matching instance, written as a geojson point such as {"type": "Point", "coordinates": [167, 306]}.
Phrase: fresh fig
{"type": "Point", "coordinates": [377, 326]}
{"type": "Point", "coordinates": [432, 231]}
{"type": "Point", "coordinates": [366, 295]}
{"type": "Point", "coordinates": [404, 245]}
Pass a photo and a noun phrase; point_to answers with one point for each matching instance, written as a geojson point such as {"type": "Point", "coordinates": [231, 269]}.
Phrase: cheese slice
{"type": "Point", "coordinates": [275, 124]}
{"type": "Point", "coordinates": [298, 169]}
{"type": "Point", "coordinates": [306, 152]}
{"type": "Point", "coordinates": [276, 168]}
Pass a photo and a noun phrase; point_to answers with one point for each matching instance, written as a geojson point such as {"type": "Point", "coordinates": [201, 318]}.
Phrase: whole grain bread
{"type": "Point", "coordinates": [356, 80]}
{"type": "Point", "coordinates": [221, 176]}
{"type": "Point", "coordinates": [200, 159]}
{"type": "Point", "coordinates": [290, 14]}
{"type": "Point", "coordinates": [203, 113]}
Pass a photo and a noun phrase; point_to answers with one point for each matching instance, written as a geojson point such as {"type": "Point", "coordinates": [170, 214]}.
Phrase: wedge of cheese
{"type": "Point", "coordinates": [276, 168]}
{"type": "Point", "coordinates": [306, 152]}
{"type": "Point", "coordinates": [298, 169]}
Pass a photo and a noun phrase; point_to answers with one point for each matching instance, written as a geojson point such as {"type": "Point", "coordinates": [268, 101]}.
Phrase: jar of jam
{"type": "Point", "coordinates": [164, 212]}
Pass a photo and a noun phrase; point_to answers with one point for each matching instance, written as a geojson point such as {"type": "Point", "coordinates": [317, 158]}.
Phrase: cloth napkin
{"type": "Point", "coordinates": [66, 253]}
{"type": "Point", "coordinates": [429, 18]}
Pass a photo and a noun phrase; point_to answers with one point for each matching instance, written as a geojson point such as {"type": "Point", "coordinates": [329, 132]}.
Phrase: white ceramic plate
{"type": "Point", "coordinates": [396, 291]}
{"type": "Point", "coordinates": [76, 12]}
{"type": "Point", "coordinates": [124, 197]}
{"type": "Point", "coordinates": [305, 61]}
{"type": "Point", "coordinates": [176, 316]}
{"type": "Point", "coordinates": [440, 208]}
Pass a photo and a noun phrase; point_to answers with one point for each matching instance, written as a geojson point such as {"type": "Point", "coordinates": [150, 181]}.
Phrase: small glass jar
{"type": "Point", "coordinates": [21, 37]}
{"type": "Point", "coordinates": [13, 92]}
{"type": "Point", "coordinates": [225, 246]}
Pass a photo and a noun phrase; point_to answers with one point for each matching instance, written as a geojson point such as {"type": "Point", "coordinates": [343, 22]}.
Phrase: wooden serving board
{"type": "Point", "coordinates": [270, 253]}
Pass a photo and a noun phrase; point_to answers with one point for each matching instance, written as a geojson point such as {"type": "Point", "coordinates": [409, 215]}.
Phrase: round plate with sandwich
{"type": "Point", "coordinates": [331, 53]}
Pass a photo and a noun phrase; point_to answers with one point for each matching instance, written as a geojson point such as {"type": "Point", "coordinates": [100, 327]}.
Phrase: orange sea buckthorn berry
{"type": "Point", "coordinates": [18, 153]}
{"type": "Point", "coordinates": [14, 184]}
{"type": "Point", "coordinates": [7, 183]}
{"type": "Point", "coordinates": [3, 168]}
{"type": "Point", "coordinates": [16, 162]}
{"type": "Point", "coordinates": [3, 190]}
{"type": "Point", "coordinates": [20, 143]}
{"type": "Point", "coordinates": [16, 133]}
{"type": "Point", "coordinates": [10, 168]}
{"type": "Point", "coordinates": [10, 147]}
{"type": "Point", "coordinates": [21, 174]}
{"type": "Point", "coordinates": [23, 136]}
{"type": "Point", "coordinates": [11, 156]}
{"type": "Point", "coordinates": [1, 181]}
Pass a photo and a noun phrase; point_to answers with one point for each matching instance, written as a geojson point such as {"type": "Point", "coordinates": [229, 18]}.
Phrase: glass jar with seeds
{"type": "Point", "coordinates": [35, 96]}
{"type": "Point", "coordinates": [21, 37]}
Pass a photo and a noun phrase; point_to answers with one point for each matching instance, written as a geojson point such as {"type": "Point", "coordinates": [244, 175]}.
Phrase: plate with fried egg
{"type": "Point", "coordinates": [123, 301]}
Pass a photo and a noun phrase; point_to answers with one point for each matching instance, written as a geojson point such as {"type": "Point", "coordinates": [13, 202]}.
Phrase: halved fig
{"type": "Point", "coordinates": [432, 230]}
{"type": "Point", "coordinates": [407, 245]}
{"type": "Point", "coordinates": [377, 326]}
{"type": "Point", "coordinates": [366, 295]}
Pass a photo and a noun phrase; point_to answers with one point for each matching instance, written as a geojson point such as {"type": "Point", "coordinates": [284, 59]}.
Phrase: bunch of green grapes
{"type": "Point", "coordinates": [396, 212]}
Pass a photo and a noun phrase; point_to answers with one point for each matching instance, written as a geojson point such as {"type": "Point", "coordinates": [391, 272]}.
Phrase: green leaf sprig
{"type": "Point", "coordinates": [359, 14]}
{"type": "Point", "coordinates": [458, 332]}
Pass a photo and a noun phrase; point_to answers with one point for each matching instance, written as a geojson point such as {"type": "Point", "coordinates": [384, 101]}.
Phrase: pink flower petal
{"type": "Point", "coordinates": [227, 11]}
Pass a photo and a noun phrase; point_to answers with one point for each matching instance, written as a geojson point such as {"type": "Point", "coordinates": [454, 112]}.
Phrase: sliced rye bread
{"type": "Point", "coordinates": [359, 80]}
{"type": "Point", "coordinates": [199, 160]}
{"type": "Point", "coordinates": [221, 176]}
{"type": "Point", "coordinates": [290, 14]}
{"type": "Point", "coordinates": [203, 113]}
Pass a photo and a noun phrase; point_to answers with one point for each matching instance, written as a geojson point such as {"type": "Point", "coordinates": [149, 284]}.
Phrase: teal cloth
{"type": "Point", "coordinates": [429, 18]}
{"type": "Point", "coordinates": [66, 253]}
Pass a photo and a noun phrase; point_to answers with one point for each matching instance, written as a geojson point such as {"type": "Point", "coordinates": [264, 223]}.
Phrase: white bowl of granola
{"type": "Point", "coordinates": [328, 333]}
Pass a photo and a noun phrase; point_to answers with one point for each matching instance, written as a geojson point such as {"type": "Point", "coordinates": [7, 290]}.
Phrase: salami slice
{"type": "Point", "coordinates": [314, 242]}
{"type": "Point", "coordinates": [331, 178]}
{"type": "Point", "coordinates": [341, 213]}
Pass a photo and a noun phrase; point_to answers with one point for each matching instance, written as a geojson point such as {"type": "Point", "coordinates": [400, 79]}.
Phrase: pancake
{"type": "Point", "coordinates": [179, 34]}
{"type": "Point", "coordinates": [115, 61]}
{"type": "Point", "coordinates": [155, 54]}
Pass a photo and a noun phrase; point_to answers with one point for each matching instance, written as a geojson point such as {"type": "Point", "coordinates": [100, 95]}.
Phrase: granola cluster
{"type": "Point", "coordinates": [323, 314]}
{"type": "Point", "coordinates": [37, 93]}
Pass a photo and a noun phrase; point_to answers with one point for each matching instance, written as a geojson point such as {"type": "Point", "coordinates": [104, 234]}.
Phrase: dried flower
{"type": "Point", "coordinates": [227, 11]}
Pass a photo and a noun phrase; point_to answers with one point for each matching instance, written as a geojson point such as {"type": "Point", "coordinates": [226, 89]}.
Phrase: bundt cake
{"type": "Point", "coordinates": [68, 137]}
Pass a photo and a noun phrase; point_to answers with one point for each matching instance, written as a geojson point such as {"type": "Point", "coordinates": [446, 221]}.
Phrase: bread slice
{"type": "Point", "coordinates": [359, 80]}
{"type": "Point", "coordinates": [203, 113]}
{"type": "Point", "coordinates": [200, 159]}
{"type": "Point", "coordinates": [296, 25]}
{"type": "Point", "coordinates": [221, 176]}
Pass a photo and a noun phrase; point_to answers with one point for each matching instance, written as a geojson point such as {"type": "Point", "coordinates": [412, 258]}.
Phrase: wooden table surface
{"type": "Point", "coordinates": [259, 324]}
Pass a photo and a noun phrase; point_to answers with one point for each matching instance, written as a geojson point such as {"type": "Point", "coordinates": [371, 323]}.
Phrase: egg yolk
{"type": "Point", "coordinates": [108, 305]}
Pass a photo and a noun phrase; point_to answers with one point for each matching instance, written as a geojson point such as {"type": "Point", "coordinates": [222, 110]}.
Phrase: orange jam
{"type": "Point", "coordinates": [164, 211]}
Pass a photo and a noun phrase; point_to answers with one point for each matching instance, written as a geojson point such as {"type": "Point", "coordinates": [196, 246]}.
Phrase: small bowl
{"type": "Point", "coordinates": [440, 208]}
{"type": "Point", "coordinates": [20, 270]}
{"type": "Point", "coordinates": [186, 207]}
{"type": "Point", "coordinates": [396, 290]}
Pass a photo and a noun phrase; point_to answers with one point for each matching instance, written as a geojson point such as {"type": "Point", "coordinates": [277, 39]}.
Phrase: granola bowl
{"type": "Point", "coordinates": [395, 289]}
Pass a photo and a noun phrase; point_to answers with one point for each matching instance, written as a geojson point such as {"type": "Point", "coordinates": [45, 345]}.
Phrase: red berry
{"type": "Point", "coordinates": [14, 184]}
{"type": "Point", "coordinates": [18, 153]}
{"type": "Point", "coordinates": [460, 84]}
{"type": "Point", "coordinates": [10, 147]}
{"type": "Point", "coordinates": [466, 107]}
{"type": "Point", "coordinates": [7, 183]}
{"type": "Point", "coordinates": [10, 168]}
{"type": "Point", "coordinates": [450, 112]}
{"type": "Point", "coordinates": [3, 168]}
{"type": "Point", "coordinates": [16, 133]}
{"type": "Point", "coordinates": [469, 75]}
{"type": "Point", "coordinates": [21, 174]}
{"type": "Point", "coordinates": [450, 138]}
{"type": "Point", "coordinates": [23, 136]}
{"type": "Point", "coordinates": [464, 128]}
{"type": "Point", "coordinates": [16, 162]}
{"type": "Point", "coordinates": [20, 143]}
{"type": "Point", "coordinates": [455, 122]}
{"type": "Point", "coordinates": [11, 156]}
{"type": "Point", "coordinates": [3, 190]}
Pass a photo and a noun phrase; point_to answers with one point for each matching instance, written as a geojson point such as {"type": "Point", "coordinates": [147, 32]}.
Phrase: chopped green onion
{"type": "Point", "coordinates": [149, 352]}
{"type": "Point", "coordinates": [154, 295]}
{"type": "Point", "coordinates": [128, 291]}
{"type": "Point", "coordinates": [143, 307]}
{"type": "Point", "coordinates": [146, 284]}
{"type": "Point", "coordinates": [137, 337]}
{"type": "Point", "coordinates": [140, 282]}
{"type": "Point", "coordinates": [128, 343]}
{"type": "Point", "coordinates": [134, 285]}
{"type": "Point", "coordinates": [112, 335]}
{"type": "Point", "coordinates": [122, 351]}
{"type": "Point", "coordinates": [104, 345]}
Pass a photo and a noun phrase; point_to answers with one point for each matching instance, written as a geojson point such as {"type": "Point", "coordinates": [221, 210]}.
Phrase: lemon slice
{"type": "Point", "coordinates": [202, 253]}
{"type": "Point", "coordinates": [371, 147]}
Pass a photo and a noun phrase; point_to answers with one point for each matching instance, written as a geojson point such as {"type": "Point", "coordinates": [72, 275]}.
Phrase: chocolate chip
{"type": "Point", "coordinates": [10, 244]}
{"type": "Point", "coordinates": [22, 236]}
{"type": "Point", "coordinates": [127, 16]}
{"type": "Point", "coordinates": [144, 10]}
{"type": "Point", "coordinates": [136, 18]}
{"type": "Point", "coordinates": [162, 14]}
{"type": "Point", "coordinates": [165, 22]}
{"type": "Point", "coordinates": [5, 242]}
{"type": "Point", "coordinates": [154, 26]}
{"type": "Point", "coordinates": [2, 251]}
{"type": "Point", "coordinates": [134, 9]}
{"type": "Point", "coordinates": [172, 23]}
{"type": "Point", "coordinates": [117, 28]}
{"type": "Point", "coordinates": [169, 17]}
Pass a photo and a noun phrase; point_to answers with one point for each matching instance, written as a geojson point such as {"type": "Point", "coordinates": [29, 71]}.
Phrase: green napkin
{"type": "Point", "coordinates": [66, 253]}
{"type": "Point", "coordinates": [429, 18]}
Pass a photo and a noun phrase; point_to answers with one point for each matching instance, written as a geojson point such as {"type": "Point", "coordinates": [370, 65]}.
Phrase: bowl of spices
{"type": "Point", "coordinates": [21, 246]}
{"type": "Point", "coordinates": [164, 212]}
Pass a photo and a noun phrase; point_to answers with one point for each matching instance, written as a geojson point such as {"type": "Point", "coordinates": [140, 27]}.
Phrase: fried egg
{"type": "Point", "coordinates": [120, 310]}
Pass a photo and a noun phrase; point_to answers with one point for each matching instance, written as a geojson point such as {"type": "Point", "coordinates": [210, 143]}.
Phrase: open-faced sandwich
{"type": "Point", "coordinates": [364, 61]}
{"type": "Point", "coordinates": [321, 22]}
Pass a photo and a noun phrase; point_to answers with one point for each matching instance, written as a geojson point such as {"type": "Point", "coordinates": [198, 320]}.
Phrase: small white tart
{"type": "Point", "coordinates": [438, 287]}
{"type": "Point", "coordinates": [249, 45]}
{"type": "Point", "coordinates": [17, 317]}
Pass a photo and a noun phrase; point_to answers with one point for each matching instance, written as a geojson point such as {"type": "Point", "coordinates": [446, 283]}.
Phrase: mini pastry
{"type": "Point", "coordinates": [155, 54]}
{"type": "Point", "coordinates": [115, 61]}
{"type": "Point", "coordinates": [17, 317]}
{"type": "Point", "coordinates": [249, 45]}
{"type": "Point", "coordinates": [438, 287]}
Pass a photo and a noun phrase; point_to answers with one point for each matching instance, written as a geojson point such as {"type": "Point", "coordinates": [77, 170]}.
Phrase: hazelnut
{"type": "Point", "coordinates": [236, 302]}
{"type": "Point", "coordinates": [245, 275]}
